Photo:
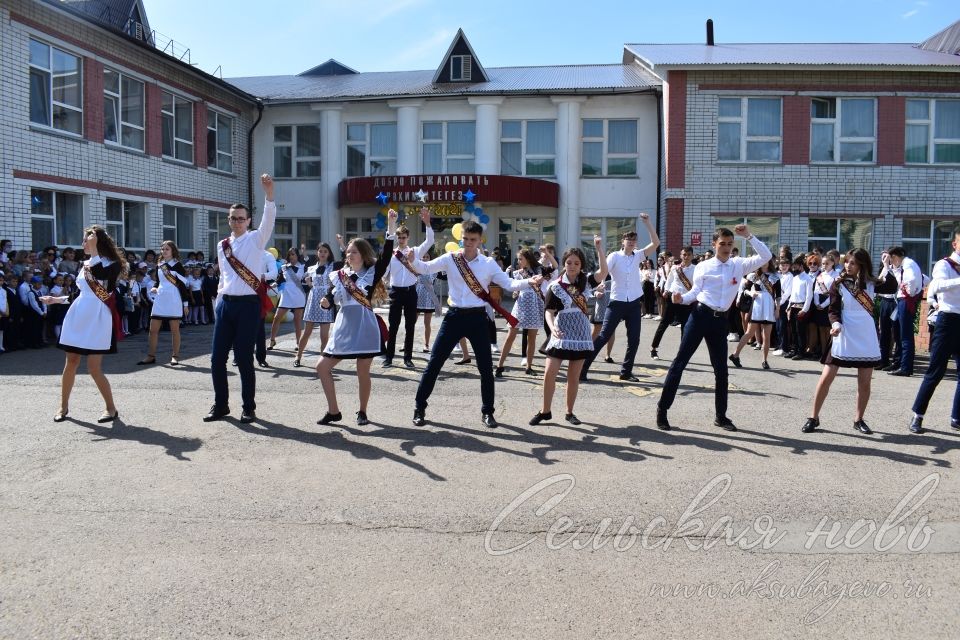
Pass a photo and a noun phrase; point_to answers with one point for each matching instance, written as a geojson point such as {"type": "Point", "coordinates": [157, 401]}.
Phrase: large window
{"type": "Point", "coordinates": [296, 151]}
{"type": "Point", "coordinates": [56, 218]}
{"type": "Point", "coordinates": [56, 91]}
{"type": "Point", "coordinates": [372, 149]}
{"type": "Point", "coordinates": [178, 226]}
{"type": "Point", "coordinates": [218, 228]}
{"type": "Point", "coordinates": [749, 130]}
{"type": "Point", "coordinates": [219, 141]}
{"type": "Point", "coordinates": [362, 227]}
{"type": "Point", "coordinates": [841, 234]}
{"type": "Point", "coordinates": [933, 131]}
{"type": "Point", "coordinates": [611, 230]}
{"type": "Point", "coordinates": [609, 148]}
{"type": "Point", "coordinates": [843, 130]}
{"type": "Point", "coordinates": [528, 148]}
{"type": "Point", "coordinates": [123, 105]}
{"type": "Point", "coordinates": [126, 223]}
{"type": "Point", "coordinates": [177, 116]}
{"type": "Point", "coordinates": [766, 229]}
{"type": "Point", "coordinates": [927, 241]}
{"type": "Point", "coordinates": [448, 147]}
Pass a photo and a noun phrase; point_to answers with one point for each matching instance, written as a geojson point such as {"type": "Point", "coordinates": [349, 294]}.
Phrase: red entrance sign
{"type": "Point", "coordinates": [696, 238]}
{"type": "Point", "coordinates": [450, 188]}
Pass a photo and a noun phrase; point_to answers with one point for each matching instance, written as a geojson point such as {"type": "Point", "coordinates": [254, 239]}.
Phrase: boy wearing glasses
{"type": "Point", "coordinates": [403, 290]}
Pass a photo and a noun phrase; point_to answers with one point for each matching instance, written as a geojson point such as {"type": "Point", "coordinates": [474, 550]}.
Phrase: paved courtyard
{"type": "Point", "coordinates": [163, 526]}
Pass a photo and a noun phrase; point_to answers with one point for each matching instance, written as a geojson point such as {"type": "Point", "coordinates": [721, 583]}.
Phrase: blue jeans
{"type": "Point", "coordinates": [702, 325]}
{"type": "Point", "coordinates": [944, 345]}
{"type": "Point", "coordinates": [617, 312]}
{"type": "Point", "coordinates": [236, 319]}
{"type": "Point", "coordinates": [905, 323]}
{"type": "Point", "coordinates": [889, 332]}
{"type": "Point", "coordinates": [460, 323]}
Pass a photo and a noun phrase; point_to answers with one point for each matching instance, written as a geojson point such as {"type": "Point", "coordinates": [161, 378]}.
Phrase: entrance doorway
{"type": "Point", "coordinates": [514, 233]}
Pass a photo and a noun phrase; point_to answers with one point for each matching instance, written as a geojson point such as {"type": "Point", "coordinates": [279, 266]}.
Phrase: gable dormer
{"type": "Point", "coordinates": [329, 68]}
{"type": "Point", "coordinates": [460, 64]}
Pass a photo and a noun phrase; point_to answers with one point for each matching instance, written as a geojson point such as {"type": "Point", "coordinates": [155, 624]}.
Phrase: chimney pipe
{"type": "Point", "coordinates": [709, 32]}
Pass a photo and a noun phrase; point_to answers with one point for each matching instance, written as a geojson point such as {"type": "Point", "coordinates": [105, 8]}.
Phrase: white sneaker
{"type": "Point", "coordinates": [457, 349]}
{"type": "Point", "coordinates": [656, 317]}
{"type": "Point", "coordinates": [732, 337]}
{"type": "Point", "coordinates": [494, 349]}
{"type": "Point", "coordinates": [777, 352]}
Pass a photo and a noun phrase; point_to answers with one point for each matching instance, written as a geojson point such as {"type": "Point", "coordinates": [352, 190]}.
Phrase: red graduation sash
{"type": "Point", "coordinates": [399, 255]}
{"type": "Point", "coordinates": [107, 298]}
{"type": "Point", "coordinates": [765, 280]}
{"type": "Point", "coordinates": [172, 279]}
{"type": "Point", "coordinates": [576, 295]}
{"type": "Point", "coordinates": [257, 284]}
{"type": "Point", "coordinates": [468, 276]}
{"type": "Point", "coordinates": [351, 287]}
{"type": "Point", "coordinates": [859, 295]}
{"type": "Point", "coordinates": [684, 280]}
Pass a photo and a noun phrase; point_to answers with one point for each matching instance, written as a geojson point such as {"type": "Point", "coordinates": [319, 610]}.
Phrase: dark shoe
{"type": "Point", "coordinates": [330, 418]}
{"type": "Point", "coordinates": [765, 365]}
{"type": "Point", "coordinates": [725, 423]}
{"type": "Point", "coordinates": [106, 417]}
{"type": "Point", "coordinates": [273, 345]}
{"type": "Point", "coordinates": [583, 377]}
{"type": "Point", "coordinates": [498, 372]}
{"type": "Point", "coordinates": [881, 367]}
{"type": "Point", "coordinates": [234, 363]}
{"type": "Point", "coordinates": [916, 425]}
{"type": "Point", "coordinates": [608, 360]}
{"type": "Point", "coordinates": [629, 377]}
{"type": "Point", "coordinates": [408, 363]}
{"type": "Point", "coordinates": [216, 413]}
{"type": "Point", "coordinates": [572, 419]}
{"type": "Point", "coordinates": [798, 356]}
{"type": "Point", "coordinates": [891, 367]}
{"type": "Point", "coordinates": [174, 360]}
{"type": "Point", "coordinates": [463, 361]}
{"type": "Point", "coordinates": [262, 363]}
{"type": "Point", "coordinates": [60, 416]}
{"type": "Point", "coordinates": [540, 417]}
{"type": "Point", "coordinates": [736, 361]}
{"type": "Point", "coordinates": [862, 427]}
{"type": "Point", "coordinates": [387, 362]}
{"type": "Point", "coordinates": [362, 418]}
{"type": "Point", "coordinates": [662, 423]}
{"type": "Point", "coordinates": [148, 360]}
{"type": "Point", "coordinates": [419, 417]}
{"type": "Point", "coordinates": [296, 363]}
{"type": "Point", "coordinates": [248, 416]}
{"type": "Point", "coordinates": [489, 421]}
{"type": "Point", "coordinates": [654, 355]}
{"type": "Point", "coordinates": [955, 424]}
{"type": "Point", "coordinates": [900, 373]}
{"type": "Point", "coordinates": [810, 425]}
{"type": "Point", "coordinates": [530, 372]}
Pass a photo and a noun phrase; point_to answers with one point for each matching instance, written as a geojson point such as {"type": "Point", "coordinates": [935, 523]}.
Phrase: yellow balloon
{"type": "Point", "coordinates": [451, 247]}
{"type": "Point", "coordinates": [273, 251]}
{"type": "Point", "coordinates": [457, 231]}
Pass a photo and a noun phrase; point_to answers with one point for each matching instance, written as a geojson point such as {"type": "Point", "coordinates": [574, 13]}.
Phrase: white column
{"type": "Point", "coordinates": [487, 134]}
{"type": "Point", "coordinates": [408, 135]}
{"type": "Point", "coordinates": [331, 168]}
{"type": "Point", "coordinates": [568, 169]}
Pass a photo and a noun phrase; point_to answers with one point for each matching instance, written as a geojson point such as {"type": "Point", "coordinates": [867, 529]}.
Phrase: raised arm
{"type": "Point", "coordinates": [383, 260]}
{"type": "Point", "coordinates": [763, 252]}
{"type": "Point", "coordinates": [269, 212]}
{"type": "Point", "coordinates": [428, 240]}
{"type": "Point", "coordinates": [644, 219]}
{"type": "Point", "coordinates": [601, 273]}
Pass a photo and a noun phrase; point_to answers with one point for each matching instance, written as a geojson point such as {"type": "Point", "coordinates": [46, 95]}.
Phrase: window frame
{"type": "Point", "coordinates": [217, 231]}
{"type": "Point", "coordinates": [52, 217]}
{"type": "Point", "coordinates": [51, 102]}
{"type": "Point", "coordinates": [524, 156]}
{"type": "Point", "coordinates": [931, 123]}
{"type": "Point", "coordinates": [177, 239]}
{"type": "Point", "coordinates": [367, 145]}
{"type": "Point", "coordinates": [214, 130]}
{"type": "Point", "coordinates": [745, 138]}
{"type": "Point", "coordinates": [175, 98]}
{"type": "Point", "coordinates": [606, 155]}
{"type": "Point", "coordinates": [445, 156]}
{"type": "Point", "coordinates": [931, 239]}
{"type": "Point", "coordinates": [118, 98]}
{"type": "Point", "coordinates": [121, 239]}
{"type": "Point", "coordinates": [294, 158]}
{"type": "Point", "coordinates": [461, 76]}
{"type": "Point", "coordinates": [746, 249]}
{"type": "Point", "coordinates": [838, 139]}
{"type": "Point", "coordinates": [836, 239]}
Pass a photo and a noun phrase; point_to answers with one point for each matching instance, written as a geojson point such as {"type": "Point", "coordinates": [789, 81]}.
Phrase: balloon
{"type": "Point", "coordinates": [273, 251]}
{"type": "Point", "coordinates": [451, 247]}
{"type": "Point", "coordinates": [477, 211]}
{"type": "Point", "coordinates": [469, 208]}
{"type": "Point", "coordinates": [457, 231]}
{"type": "Point", "coordinates": [484, 219]}
{"type": "Point", "coordinates": [380, 224]}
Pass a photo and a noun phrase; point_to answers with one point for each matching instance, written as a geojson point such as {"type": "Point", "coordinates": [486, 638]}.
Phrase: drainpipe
{"type": "Point", "coordinates": [660, 175]}
{"type": "Point", "coordinates": [250, 202]}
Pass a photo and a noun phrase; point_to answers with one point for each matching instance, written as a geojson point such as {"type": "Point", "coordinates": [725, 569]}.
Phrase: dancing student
{"type": "Point", "coordinates": [292, 297]}
{"type": "Point", "coordinates": [167, 302]}
{"type": "Point", "coordinates": [909, 292]}
{"type": "Point", "coordinates": [548, 269]}
{"type": "Point", "coordinates": [528, 309]}
{"type": "Point", "coordinates": [801, 298]}
{"type": "Point", "coordinates": [945, 342]}
{"type": "Point", "coordinates": [763, 287]}
{"type": "Point", "coordinates": [602, 298]}
{"type": "Point", "coordinates": [428, 303]}
{"type": "Point", "coordinates": [679, 280]}
{"type": "Point", "coordinates": [819, 327]}
{"type": "Point", "coordinates": [715, 283]}
{"type": "Point", "coordinates": [469, 274]}
{"type": "Point", "coordinates": [566, 313]}
{"type": "Point", "coordinates": [403, 290]}
{"type": "Point", "coordinates": [318, 276]}
{"type": "Point", "coordinates": [239, 303]}
{"type": "Point", "coordinates": [92, 325]}
{"type": "Point", "coordinates": [358, 333]}
{"type": "Point", "coordinates": [649, 274]}
{"type": "Point", "coordinates": [626, 293]}
{"type": "Point", "coordinates": [854, 333]}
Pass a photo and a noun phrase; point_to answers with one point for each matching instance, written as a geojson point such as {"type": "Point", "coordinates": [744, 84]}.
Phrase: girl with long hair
{"type": "Point", "coordinates": [318, 276]}
{"type": "Point", "coordinates": [763, 286]}
{"type": "Point", "coordinates": [528, 309]}
{"type": "Point", "coordinates": [292, 297]}
{"type": "Point", "coordinates": [566, 314]}
{"type": "Point", "coordinates": [855, 343]}
{"type": "Point", "coordinates": [92, 324]}
{"type": "Point", "coordinates": [819, 331]}
{"type": "Point", "coordinates": [358, 332]}
{"type": "Point", "coordinates": [170, 292]}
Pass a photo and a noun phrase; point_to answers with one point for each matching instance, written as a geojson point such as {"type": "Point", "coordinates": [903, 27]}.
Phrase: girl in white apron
{"type": "Point", "coordinates": [763, 286]}
{"type": "Point", "coordinates": [318, 278]}
{"type": "Point", "coordinates": [168, 301]}
{"type": "Point", "coordinates": [292, 297]}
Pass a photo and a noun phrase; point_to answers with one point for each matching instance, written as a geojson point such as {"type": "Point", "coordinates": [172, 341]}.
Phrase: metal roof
{"type": "Point", "coordinates": [946, 41]}
{"type": "Point", "coordinates": [833, 55]}
{"type": "Point", "coordinates": [586, 79]}
{"type": "Point", "coordinates": [112, 13]}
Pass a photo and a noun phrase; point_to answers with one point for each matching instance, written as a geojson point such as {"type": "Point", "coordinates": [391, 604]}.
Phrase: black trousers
{"type": "Point", "coordinates": [617, 312]}
{"type": "Point", "coordinates": [403, 301]}
{"type": "Point", "coordinates": [702, 325]}
{"type": "Point", "coordinates": [944, 345]}
{"type": "Point", "coordinates": [459, 323]}
{"type": "Point", "coordinates": [889, 332]}
{"type": "Point", "coordinates": [671, 313]}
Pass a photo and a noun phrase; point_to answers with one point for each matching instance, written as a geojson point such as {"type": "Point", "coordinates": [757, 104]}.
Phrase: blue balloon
{"type": "Point", "coordinates": [477, 211]}
{"type": "Point", "coordinates": [484, 219]}
{"type": "Point", "coordinates": [469, 208]}
{"type": "Point", "coordinates": [380, 224]}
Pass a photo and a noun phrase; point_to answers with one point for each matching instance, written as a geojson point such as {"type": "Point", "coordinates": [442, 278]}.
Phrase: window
{"type": "Point", "coordinates": [448, 147]}
{"type": "Point", "coordinates": [122, 110]}
{"type": "Point", "coordinates": [842, 130]}
{"type": "Point", "coordinates": [56, 218]}
{"type": "Point", "coordinates": [609, 148]}
{"type": "Point", "coordinates": [126, 223]}
{"type": "Point", "coordinates": [177, 116]}
{"type": "Point", "coordinates": [528, 148]}
{"type": "Point", "coordinates": [767, 231]}
{"type": "Point", "coordinates": [178, 226]}
{"type": "Point", "coordinates": [362, 227]}
{"type": "Point", "coordinates": [460, 67]}
{"type": "Point", "coordinates": [282, 237]}
{"type": "Point", "coordinates": [839, 234]}
{"type": "Point", "coordinates": [611, 230]}
{"type": "Point", "coordinates": [749, 130]}
{"type": "Point", "coordinates": [933, 131]}
{"type": "Point", "coordinates": [927, 241]}
{"type": "Point", "coordinates": [218, 228]}
{"type": "Point", "coordinates": [219, 141]}
{"type": "Point", "coordinates": [56, 92]}
{"type": "Point", "coordinates": [296, 151]}
{"type": "Point", "coordinates": [371, 149]}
